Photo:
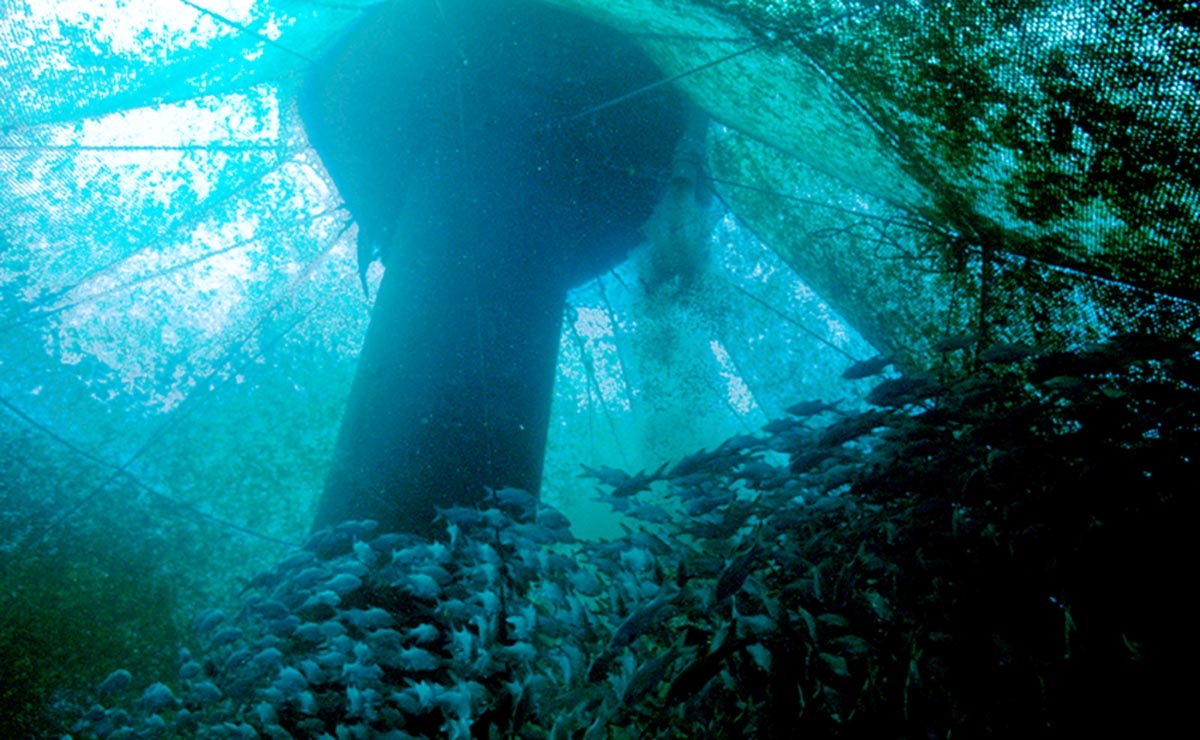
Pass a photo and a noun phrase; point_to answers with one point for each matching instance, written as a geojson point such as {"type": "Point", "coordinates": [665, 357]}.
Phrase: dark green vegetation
{"type": "Point", "coordinates": [1092, 133]}
{"type": "Point", "coordinates": [100, 592]}
{"type": "Point", "coordinates": [991, 554]}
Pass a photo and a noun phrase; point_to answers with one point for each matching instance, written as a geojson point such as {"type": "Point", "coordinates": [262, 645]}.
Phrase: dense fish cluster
{"type": "Point", "coordinates": [941, 563]}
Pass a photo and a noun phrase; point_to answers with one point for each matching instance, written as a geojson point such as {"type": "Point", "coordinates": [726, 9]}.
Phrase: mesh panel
{"type": "Point", "coordinates": [1019, 171]}
{"type": "Point", "coordinates": [1036, 155]}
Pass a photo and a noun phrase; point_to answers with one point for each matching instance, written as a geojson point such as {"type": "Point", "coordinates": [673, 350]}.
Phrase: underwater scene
{"type": "Point", "coordinates": [575, 369]}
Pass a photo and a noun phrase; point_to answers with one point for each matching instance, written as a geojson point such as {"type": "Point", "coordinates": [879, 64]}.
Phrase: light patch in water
{"type": "Point", "coordinates": [737, 392]}
{"type": "Point", "coordinates": [132, 26]}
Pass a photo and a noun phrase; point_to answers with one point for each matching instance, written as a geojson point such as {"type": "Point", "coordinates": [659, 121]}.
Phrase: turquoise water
{"type": "Point", "coordinates": [979, 532]}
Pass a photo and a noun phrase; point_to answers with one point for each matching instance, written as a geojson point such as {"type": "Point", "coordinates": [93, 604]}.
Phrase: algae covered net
{"type": "Point", "coordinates": [943, 184]}
{"type": "Point", "coordinates": [1025, 170]}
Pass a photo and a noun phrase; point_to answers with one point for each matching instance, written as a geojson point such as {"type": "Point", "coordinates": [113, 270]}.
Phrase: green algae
{"type": "Point", "coordinates": [74, 607]}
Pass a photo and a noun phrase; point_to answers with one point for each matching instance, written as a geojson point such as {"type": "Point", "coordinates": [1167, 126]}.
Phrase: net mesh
{"type": "Point", "coordinates": [1023, 171]}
